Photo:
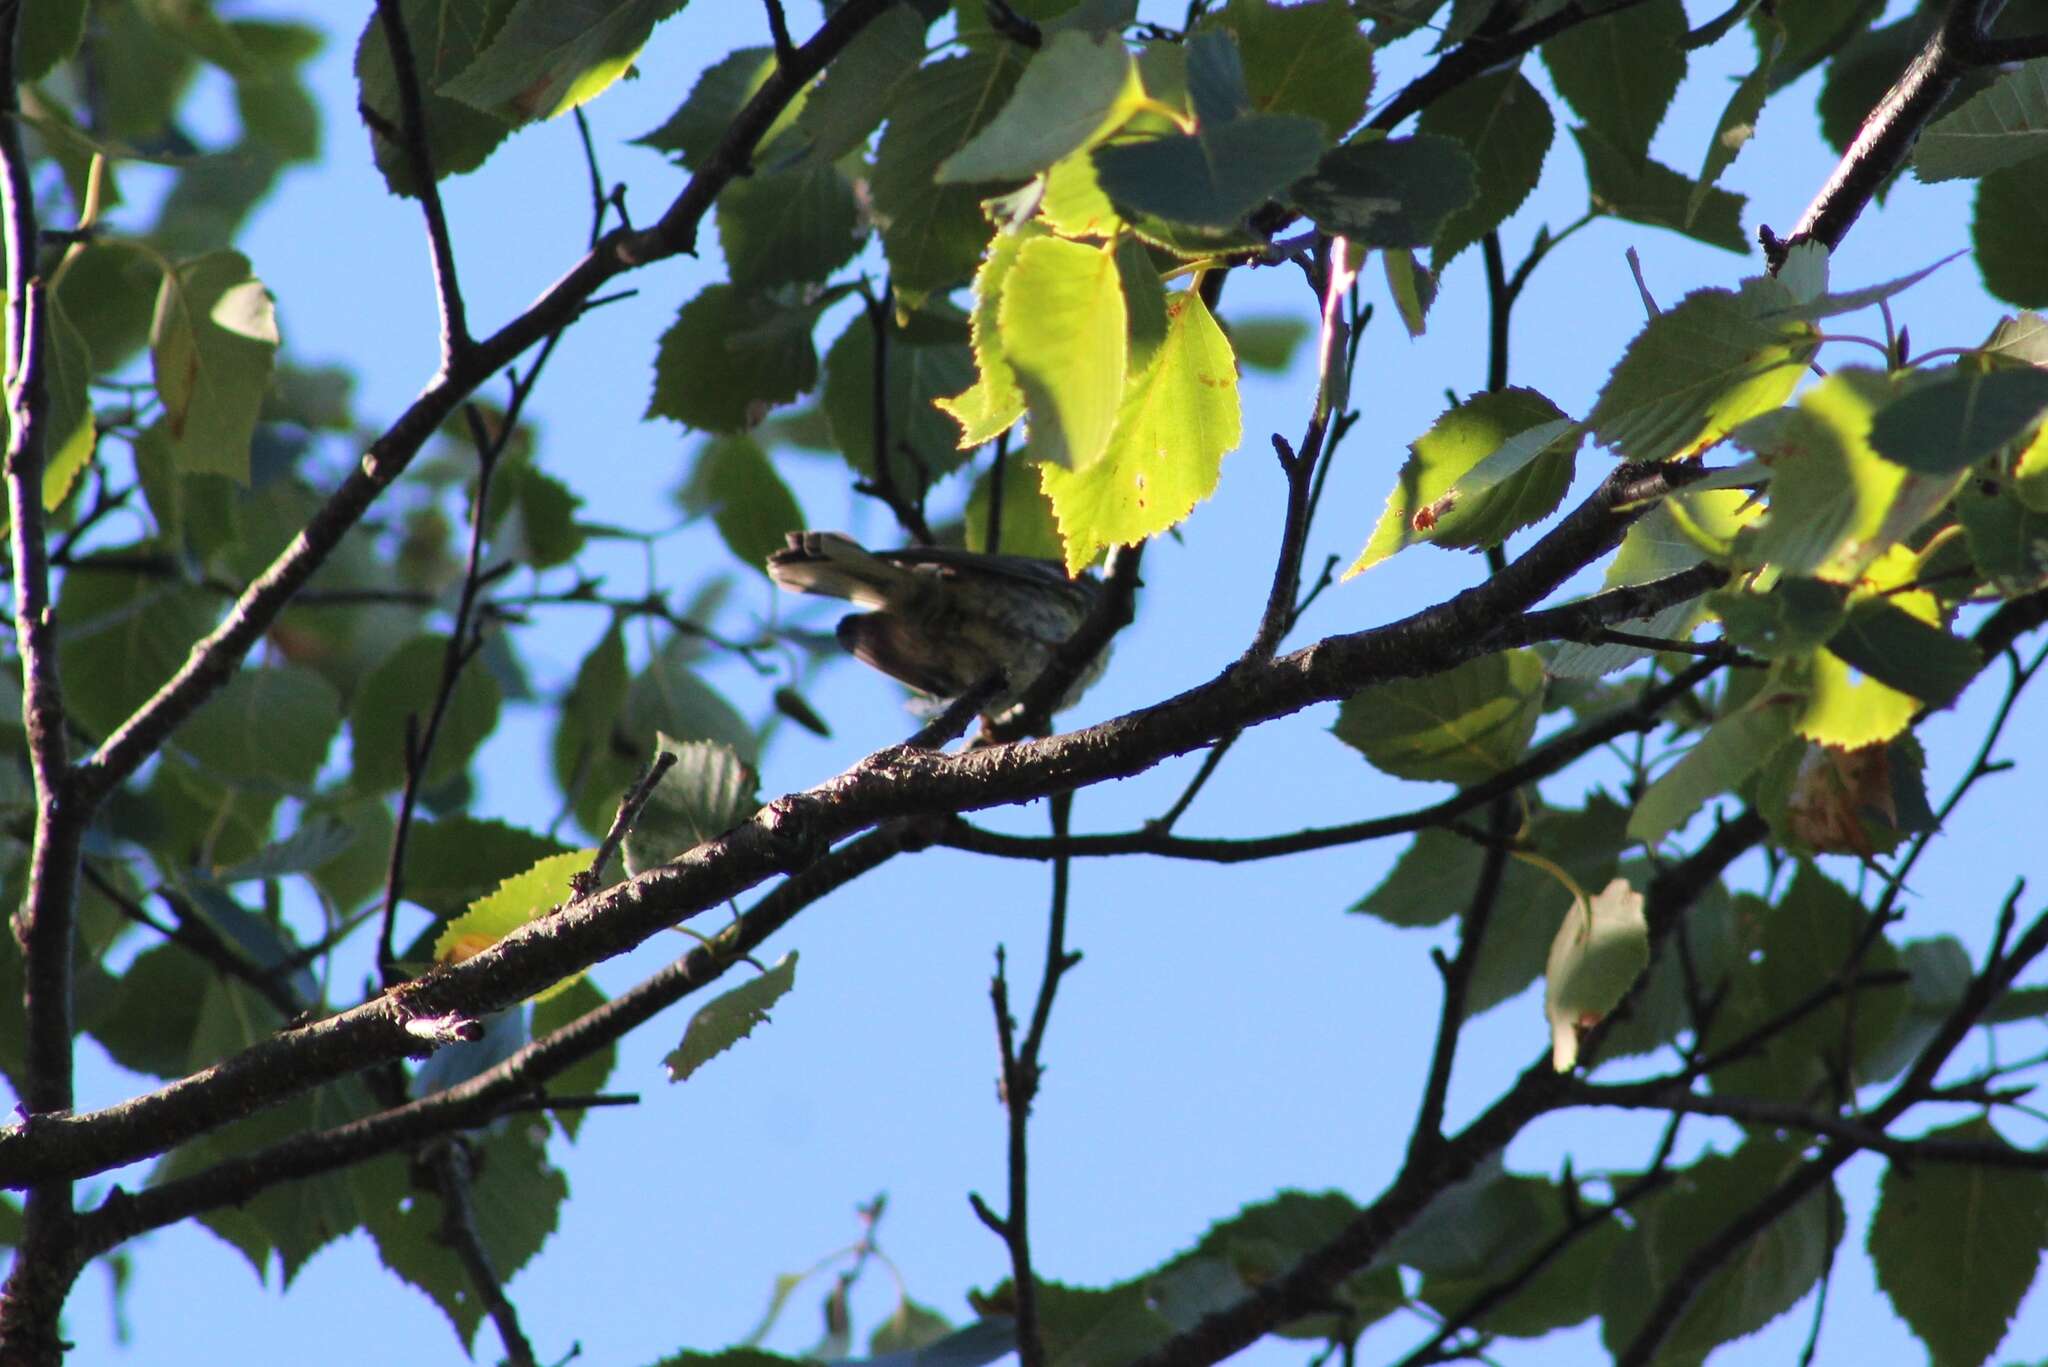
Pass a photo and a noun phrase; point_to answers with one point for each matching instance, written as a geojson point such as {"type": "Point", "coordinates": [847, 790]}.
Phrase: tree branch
{"type": "Point", "coordinates": [1549, 758]}
{"type": "Point", "coordinates": [1539, 1090]}
{"type": "Point", "coordinates": [44, 926]}
{"type": "Point", "coordinates": [1889, 131]}
{"type": "Point", "coordinates": [454, 1175]}
{"type": "Point", "coordinates": [455, 339]}
{"type": "Point", "coordinates": [1788, 1115]}
{"type": "Point", "coordinates": [792, 831]}
{"type": "Point", "coordinates": [455, 656]}
{"type": "Point", "coordinates": [2000, 969]}
{"type": "Point", "coordinates": [214, 658]}
{"type": "Point", "coordinates": [510, 1085]}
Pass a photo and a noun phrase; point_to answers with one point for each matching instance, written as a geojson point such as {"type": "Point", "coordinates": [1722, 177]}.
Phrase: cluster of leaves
{"type": "Point", "coordinates": [1029, 238]}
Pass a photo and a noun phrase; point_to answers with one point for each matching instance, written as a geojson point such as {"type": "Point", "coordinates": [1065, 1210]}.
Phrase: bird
{"type": "Point", "coordinates": [944, 620]}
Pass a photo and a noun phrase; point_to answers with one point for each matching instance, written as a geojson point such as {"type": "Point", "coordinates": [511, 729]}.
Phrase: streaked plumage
{"type": "Point", "coordinates": [942, 620]}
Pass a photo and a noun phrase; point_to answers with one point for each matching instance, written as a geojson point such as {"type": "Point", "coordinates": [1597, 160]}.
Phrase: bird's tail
{"type": "Point", "coordinates": [835, 565]}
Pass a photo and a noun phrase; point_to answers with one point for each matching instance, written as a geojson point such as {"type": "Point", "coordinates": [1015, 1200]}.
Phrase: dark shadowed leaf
{"type": "Point", "coordinates": [1390, 192]}
{"type": "Point", "coordinates": [729, 1018]}
{"type": "Point", "coordinates": [1993, 1223]}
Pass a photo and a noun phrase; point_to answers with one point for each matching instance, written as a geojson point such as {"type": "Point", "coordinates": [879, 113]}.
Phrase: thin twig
{"type": "Point", "coordinates": [592, 878]}
{"type": "Point", "coordinates": [778, 29]}
{"type": "Point", "coordinates": [1549, 758]}
{"type": "Point", "coordinates": [508, 1086]}
{"type": "Point", "coordinates": [1021, 1072]}
{"type": "Point", "coordinates": [2001, 967]}
{"type": "Point", "coordinates": [795, 829]}
{"type": "Point", "coordinates": [455, 338]}
{"type": "Point", "coordinates": [453, 1181]}
{"type": "Point", "coordinates": [213, 659]}
{"type": "Point", "coordinates": [1457, 980]}
{"type": "Point", "coordinates": [421, 737]}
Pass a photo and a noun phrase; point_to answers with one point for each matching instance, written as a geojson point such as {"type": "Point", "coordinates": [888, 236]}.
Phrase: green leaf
{"type": "Point", "coordinates": [993, 403]}
{"type": "Point", "coordinates": [1461, 726]}
{"type": "Point", "coordinates": [108, 293]}
{"type": "Point", "coordinates": [792, 226]}
{"type": "Point", "coordinates": [265, 726]}
{"type": "Point", "coordinates": [1794, 950]}
{"type": "Point", "coordinates": [212, 344]}
{"type": "Point", "coordinates": [919, 377]}
{"type": "Point", "coordinates": [1832, 496]}
{"type": "Point", "coordinates": [1663, 1006]}
{"type": "Point", "coordinates": [1601, 948]}
{"type": "Point", "coordinates": [1827, 305]}
{"type": "Point", "coordinates": [520, 899]}
{"type": "Point", "coordinates": [1412, 287]}
{"type": "Point", "coordinates": [1028, 523]}
{"type": "Point", "coordinates": [459, 138]}
{"type": "Point", "coordinates": [1940, 427]}
{"type": "Point", "coordinates": [321, 841]}
{"type": "Point", "coordinates": [2007, 230]}
{"type": "Point", "coordinates": [50, 33]}
{"type": "Point", "coordinates": [729, 1018]}
{"type": "Point", "coordinates": [933, 234]}
{"type": "Point", "coordinates": [1303, 59]}
{"type": "Point", "coordinates": [1388, 192]}
{"type": "Point", "coordinates": [1619, 71]}
{"type": "Point", "coordinates": [692, 133]}
{"type": "Point", "coordinates": [1903, 652]}
{"type": "Point", "coordinates": [589, 1074]}
{"type": "Point", "coordinates": [1699, 369]}
{"type": "Point", "coordinates": [1073, 204]}
{"type": "Point", "coordinates": [1063, 330]}
{"type": "Point", "coordinates": [1737, 124]}
{"type": "Point", "coordinates": [1214, 72]}
{"type": "Point", "coordinates": [546, 57]}
{"type": "Point", "coordinates": [542, 530]}
{"type": "Point", "coordinates": [149, 1022]}
{"type": "Point", "coordinates": [729, 357]}
{"type": "Point", "coordinates": [72, 432]}
{"type": "Point", "coordinates": [583, 737]}
{"type": "Point", "coordinates": [1789, 618]}
{"type": "Point", "coordinates": [405, 686]}
{"type": "Point", "coordinates": [124, 635]}
{"type": "Point", "coordinates": [1565, 1292]}
{"type": "Point", "coordinates": [1989, 1224]}
{"type": "Point", "coordinates": [1076, 90]}
{"type": "Point", "coordinates": [2008, 540]}
{"type": "Point", "coordinates": [1214, 177]}
{"type": "Point", "coordinates": [517, 1198]}
{"type": "Point", "coordinates": [850, 99]}
{"type": "Point", "coordinates": [1735, 747]}
{"type": "Point", "coordinates": [1649, 192]}
{"type": "Point", "coordinates": [705, 793]}
{"type": "Point", "coordinates": [452, 862]}
{"type": "Point", "coordinates": [1266, 342]}
{"type": "Point", "coordinates": [1774, 1271]}
{"type": "Point", "coordinates": [1175, 423]}
{"type": "Point", "coordinates": [912, 1326]}
{"type": "Point", "coordinates": [1425, 504]}
{"type": "Point", "coordinates": [293, 1220]}
{"type": "Point", "coordinates": [2004, 125]}
{"type": "Point", "coordinates": [1863, 69]}
{"type": "Point", "coordinates": [1505, 124]}
{"type": "Point", "coordinates": [734, 481]}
